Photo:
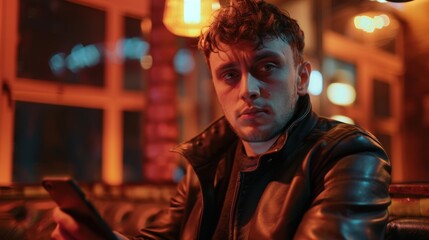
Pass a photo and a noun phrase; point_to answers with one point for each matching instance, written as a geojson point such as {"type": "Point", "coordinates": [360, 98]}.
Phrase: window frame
{"type": "Point", "coordinates": [111, 98]}
{"type": "Point", "coordinates": [369, 60]}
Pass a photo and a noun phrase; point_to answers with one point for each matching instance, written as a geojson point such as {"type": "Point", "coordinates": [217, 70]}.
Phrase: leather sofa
{"type": "Point", "coordinates": [25, 211]}
{"type": "Point", "coordinates": [409, 212]}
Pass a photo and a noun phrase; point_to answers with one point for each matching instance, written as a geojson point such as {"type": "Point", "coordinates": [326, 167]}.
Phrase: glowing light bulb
{"type": "Point", "coordinates": [187, 17]}
{"type": "Point", "coordinates": [341, 93]}
{"type": "Point", "coordinates": [192, 11]}
{"type": "Point", "coordinates": [316, 83]}
{"type": "Point", "coordinates": [343, 119]}
{"type": "Point", "coordinates": [369, 24]}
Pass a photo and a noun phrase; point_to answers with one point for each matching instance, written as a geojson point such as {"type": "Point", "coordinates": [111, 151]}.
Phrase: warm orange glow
{"type": "Point", "coordinates": [5, 147]}
{"type": "Point", "coordinates": [6, 129]}
{"type": "Point", "coordinates": [146, 62]}
{"type": "Point", "coordinates": [112, 148]}
{"type": "Point", "coordinates": [146, 25]}
{"type": "Point", "coordinates": [187, 17]}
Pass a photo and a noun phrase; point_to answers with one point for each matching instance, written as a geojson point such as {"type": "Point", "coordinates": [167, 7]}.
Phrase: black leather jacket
{"type": "Point", "coordinates": [321, 180]}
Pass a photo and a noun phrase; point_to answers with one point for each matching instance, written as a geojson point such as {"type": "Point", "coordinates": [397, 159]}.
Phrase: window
{"type": "Point", "coordinates": [381, 96]}
{"type": "Point", "coordinates": [55, 45]}
{"type": "Point", "coordinates": [72, 96]}
{"type": "Point", "coordinates": [56, 140]}
{"type": "Point", "coordinates": [133, 142]}
{"type": "Point", "coordinates": [135, 54]}
{"type": "Point", "coordinates": [378, 82]}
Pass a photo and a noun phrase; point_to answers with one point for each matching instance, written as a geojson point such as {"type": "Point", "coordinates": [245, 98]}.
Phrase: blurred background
{"type": "Point", "coordinates": [101, 90]}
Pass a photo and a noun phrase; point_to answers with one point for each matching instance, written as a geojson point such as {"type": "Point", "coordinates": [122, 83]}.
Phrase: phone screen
{"type": "Point", "coordinates": [71, 199]}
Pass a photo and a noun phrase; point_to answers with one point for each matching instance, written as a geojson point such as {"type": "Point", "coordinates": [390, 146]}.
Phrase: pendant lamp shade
{"type": "Point", "coordinates": [186, 18]}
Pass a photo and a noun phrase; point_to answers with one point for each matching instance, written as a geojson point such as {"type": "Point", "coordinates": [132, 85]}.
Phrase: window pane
{"type": "Point", "coordinates": [386, 141]}
{"type": "Point", "coordinates": [133, 145]}
{"type": "Point", "coordinates": [339, 71]}
{"type": "Point", "coordinates": [381, 96]}
{"type": "Point", "coordinates": [61, 41]}
{"type": "Point", "coordinates": [56, 140]}
{"type": "Point", "coordinates": [135, 53]}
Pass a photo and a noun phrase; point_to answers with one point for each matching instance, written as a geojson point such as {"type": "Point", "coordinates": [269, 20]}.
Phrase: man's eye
{"type": "Point", "coordinates": [267, 67]}
{"type": "Point", "coordinates": [229, 76]}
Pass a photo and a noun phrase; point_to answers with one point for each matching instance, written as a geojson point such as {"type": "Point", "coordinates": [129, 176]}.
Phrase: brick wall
{"type": "Point", "coordinates": [161, 128]}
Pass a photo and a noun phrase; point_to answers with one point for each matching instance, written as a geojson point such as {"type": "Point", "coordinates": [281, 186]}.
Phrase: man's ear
{"type": "Point", "coordinates": [303, 80]}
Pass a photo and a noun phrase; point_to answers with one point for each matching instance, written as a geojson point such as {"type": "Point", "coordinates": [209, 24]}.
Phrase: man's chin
{"type": "Point", "coordinates": [255, 136]}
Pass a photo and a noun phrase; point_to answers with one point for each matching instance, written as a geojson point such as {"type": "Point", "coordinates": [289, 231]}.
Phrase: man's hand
{"type": "Point", "coordinates": [70, 229]}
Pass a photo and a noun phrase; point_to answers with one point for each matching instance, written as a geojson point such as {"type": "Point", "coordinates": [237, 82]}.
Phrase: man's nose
{"type": "Point", "coordinates": [249, 89]}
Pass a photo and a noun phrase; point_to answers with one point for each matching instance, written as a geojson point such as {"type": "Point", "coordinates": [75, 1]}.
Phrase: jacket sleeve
{"type": "Point", "coordinates": [168, 222]}
{"type": "Point", "coordinates": [350, 191]}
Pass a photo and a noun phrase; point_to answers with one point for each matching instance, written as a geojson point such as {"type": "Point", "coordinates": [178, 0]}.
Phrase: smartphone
{"type": "Point", "coordinates": [71, 199]}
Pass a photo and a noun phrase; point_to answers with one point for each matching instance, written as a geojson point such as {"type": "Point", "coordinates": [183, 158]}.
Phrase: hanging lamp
{"type": "Point", "coordinates": [186, 18]}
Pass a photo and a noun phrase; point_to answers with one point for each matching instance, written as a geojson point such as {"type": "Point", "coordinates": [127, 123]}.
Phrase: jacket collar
{"type": "Point", "coordinates": [207, 147]}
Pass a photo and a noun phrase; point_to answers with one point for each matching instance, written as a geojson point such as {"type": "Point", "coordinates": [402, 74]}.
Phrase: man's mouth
{"type": "Point", "coordinates": [251, 113]}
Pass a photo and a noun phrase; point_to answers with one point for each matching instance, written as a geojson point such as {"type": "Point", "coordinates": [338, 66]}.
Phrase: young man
{"type": "Point", "coordinates": [271, 168]}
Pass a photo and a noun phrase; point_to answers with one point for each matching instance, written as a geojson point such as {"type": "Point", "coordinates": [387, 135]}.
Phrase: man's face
{"type": "Point", "coordinates": [258, 89]}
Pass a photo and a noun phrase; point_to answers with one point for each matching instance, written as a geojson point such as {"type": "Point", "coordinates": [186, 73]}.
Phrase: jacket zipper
{"type": "Point", "coordinates": [239, 181]}
{"type": "Point", "coordinates": [234, 205]}
{"type": "Point", "coordinates": [307, 111]}
{"type": "Point", "coordinates": [201, 219]}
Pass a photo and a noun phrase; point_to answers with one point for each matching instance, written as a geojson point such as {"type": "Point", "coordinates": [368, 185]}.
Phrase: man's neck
{"type": "Point", "coordinates": [256, 148]}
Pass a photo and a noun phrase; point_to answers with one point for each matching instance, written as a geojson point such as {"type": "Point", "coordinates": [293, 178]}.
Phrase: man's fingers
{"type": "Point", "coordinates": [59, 234]}
{"type": "Point", "coordinates": [55, 235]}
{"type": "Point", "coordinates": [71, 229]}
{"type": "Point", "coordinates": [66, 222]}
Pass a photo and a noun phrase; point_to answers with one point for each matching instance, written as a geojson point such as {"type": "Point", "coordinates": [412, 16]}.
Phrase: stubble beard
{"type": "Point", "coordinates": [256, 134]}
{"type": "Point", "coordinates": [262, 135]}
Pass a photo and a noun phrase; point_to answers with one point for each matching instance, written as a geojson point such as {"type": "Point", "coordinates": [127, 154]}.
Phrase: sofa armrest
{"type": "Point", "coordinates": [407, 228]}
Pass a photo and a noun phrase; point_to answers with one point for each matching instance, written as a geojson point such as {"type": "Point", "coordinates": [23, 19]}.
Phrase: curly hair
{"type": "Point", "coordinates": [251, 21]}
